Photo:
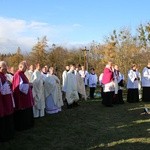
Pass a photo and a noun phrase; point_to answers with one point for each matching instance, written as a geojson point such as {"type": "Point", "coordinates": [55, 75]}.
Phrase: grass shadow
{"type": "Point", "coordinates": [89, 126]}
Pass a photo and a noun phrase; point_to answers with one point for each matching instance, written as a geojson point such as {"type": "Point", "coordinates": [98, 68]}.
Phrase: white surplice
{"type": "Point", "coordinates": [133, 79]}
{"type": "Point", "coordinates": [29, 74]}
{"type": "Point", "coordinates": [64, 75]}
{"type": "Point", "coordinates": [84, 75]}
{"type": "Point", "coordinates": [71, 88]}
{"type": "Point", "coordinates": [146, 77]}
{"type": "Point", "coordinates": [53, 94]}
{"type": "Point", "coordinates": [38, 94]}
{"type": "Point", "coordinates": [23, 87]}
{"type": "Point", "coordinates": [9, 77]}
{"type": "Point", "coordinates": [80, 85]}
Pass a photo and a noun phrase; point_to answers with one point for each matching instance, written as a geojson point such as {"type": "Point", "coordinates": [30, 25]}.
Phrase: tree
{"type": "Point", "coordinates": [124, 49]}
{"type": "Point", "coordinates": [39, 53]}
{"type": "Point", "coordinates": [144, 36]}
{"type": "Point", "coordinates": [15, 59]}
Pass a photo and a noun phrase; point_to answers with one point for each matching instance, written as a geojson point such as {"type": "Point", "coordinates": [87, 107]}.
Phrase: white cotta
{"type": "Point", "coordinates": [92, 80]}
{"type": "Point", "coordinates": [146, 77]}
{"type": "Point", "coordinates": [9, 77]}
{"type": "Point", "coordinates": [118, 78]}
{"type": "Point", "coordinates": [23, 87]}
{"type": "Point", "coordinates": [5, 88]}
{"type": "Point", "coordinates": [38, 90]}
{"type": "Point", "coordinates": [132, 83]}
{"type": "Point", "coordinates": [111, 86]}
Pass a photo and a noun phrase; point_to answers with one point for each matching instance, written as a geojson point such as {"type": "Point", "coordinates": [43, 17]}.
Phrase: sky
{"type": "Point", "coordinates": [67, 23]}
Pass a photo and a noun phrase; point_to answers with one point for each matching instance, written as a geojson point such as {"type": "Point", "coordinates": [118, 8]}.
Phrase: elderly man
{"type": "Point", "coordinates": [110, 86]}
{"type": "Point", "coordinates": [23, 99]}
{"type": "Point", "coordinates": [6, 106]}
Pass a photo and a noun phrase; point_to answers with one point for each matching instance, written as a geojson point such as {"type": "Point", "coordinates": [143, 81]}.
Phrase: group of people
{"type": "Point", "coordinates": [75, 80]}
{"type": "Point", "coordinates": [26, 95]}
{"type": "Point", "coordinates": [31, 92]}
{"type": "Point", "coordinates": [112, 83]}
{"type": "Point", "coordinates": [16, 102]}
{"type": "Point", "coordinates": [111, 89]}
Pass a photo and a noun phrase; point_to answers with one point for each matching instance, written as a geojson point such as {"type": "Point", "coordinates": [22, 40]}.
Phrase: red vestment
{"type": "Point", "coordinates": [6, 101]}
{"type": "Point", "coordinates": [22, 100]}
{"type": "Point", "coordinates": [107, 76]}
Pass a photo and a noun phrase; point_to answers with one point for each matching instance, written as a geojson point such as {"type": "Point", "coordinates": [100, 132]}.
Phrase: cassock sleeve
{"type": "Point", "coordinates": [23, 87]}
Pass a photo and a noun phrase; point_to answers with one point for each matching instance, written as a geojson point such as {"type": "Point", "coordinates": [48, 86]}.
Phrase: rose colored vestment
{"type": "Point", "coordinates": [107, 76]}
{"type": "Point", "coordinates": [22, 100]}
{"type": "Point", "coordinates": [6, 110]}
{"type": "Point", "coordinates": [6, 101]}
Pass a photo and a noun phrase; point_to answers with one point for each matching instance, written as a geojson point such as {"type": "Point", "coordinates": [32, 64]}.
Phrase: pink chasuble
{"type": "Point", "coordinates": [6, 101]}
{"type": "Point", "coordinates": [107, 76]}
{"type": "Point", "coordinates": [22, 100]}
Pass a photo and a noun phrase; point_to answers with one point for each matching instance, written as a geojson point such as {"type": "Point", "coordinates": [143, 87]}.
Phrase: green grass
{"type": "Point", "coordinates": [91, 126]}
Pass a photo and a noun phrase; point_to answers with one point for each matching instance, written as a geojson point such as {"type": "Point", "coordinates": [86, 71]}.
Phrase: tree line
{"type": "Point", "coordinates": [121, 47]}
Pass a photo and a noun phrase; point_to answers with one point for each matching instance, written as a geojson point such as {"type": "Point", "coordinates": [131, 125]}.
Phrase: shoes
{"type": "Point", "coordinates": [146, 111]}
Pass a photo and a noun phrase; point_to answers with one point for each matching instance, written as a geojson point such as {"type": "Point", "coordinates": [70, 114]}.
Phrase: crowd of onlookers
{"type": "Point", "coordinates": [32, 91]}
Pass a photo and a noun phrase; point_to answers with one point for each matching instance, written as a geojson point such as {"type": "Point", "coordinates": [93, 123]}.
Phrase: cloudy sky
{"type": "Point", "coordinates": [66, 22]}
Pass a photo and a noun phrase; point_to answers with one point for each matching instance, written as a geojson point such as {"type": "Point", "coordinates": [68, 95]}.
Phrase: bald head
{"type": "Point", "coordinates": [3, 67]}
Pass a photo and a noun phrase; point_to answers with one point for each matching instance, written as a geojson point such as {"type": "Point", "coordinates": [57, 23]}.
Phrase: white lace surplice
{"type": "Point", "coordinates": [23, 87]}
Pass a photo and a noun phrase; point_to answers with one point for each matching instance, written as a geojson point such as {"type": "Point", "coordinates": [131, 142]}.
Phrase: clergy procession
{"type": "Point", "coordinates": [35, 91]}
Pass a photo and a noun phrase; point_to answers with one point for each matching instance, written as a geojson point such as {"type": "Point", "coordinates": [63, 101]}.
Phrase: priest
{"type": "Point", "coordinates": [6, 106]}
{"type": "Point", "coordinates": [23, 99]}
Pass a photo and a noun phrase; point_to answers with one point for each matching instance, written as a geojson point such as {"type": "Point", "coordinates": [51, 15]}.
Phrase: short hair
{"type": "Point", "coordinates": [37, 65]}
{"type": "Point", "coordinates": [2, 63]}
{"type": "Point", "coordinates": [78, 66]}
{"type": "Point", "coordinates": [50, 68]}
{"type": "Point", "coordinates": [23, 63]}
{"type": "Point", "coordinates": [92, 69]}
{"type": "Point", "coordinates": [133, 65]}
{"type": "Point", "coordinates": [72, 65]}
{"type": "Point", "coordinates": [110, 62]}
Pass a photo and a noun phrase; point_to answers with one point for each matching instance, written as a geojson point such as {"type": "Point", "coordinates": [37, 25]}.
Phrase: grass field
{"type": "Point", "coordinates": [91, 126]}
